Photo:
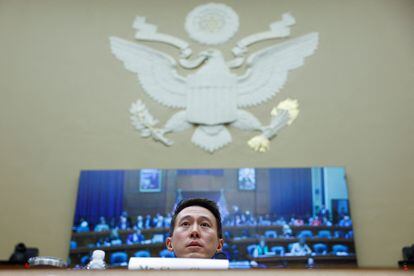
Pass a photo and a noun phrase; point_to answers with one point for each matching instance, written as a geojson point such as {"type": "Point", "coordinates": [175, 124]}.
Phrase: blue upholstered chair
{"type": "Point", "coordinates": [290, 245]}
{"type": "Point", "coordinates": [278, 250]}
{"type": "Point", "coordinates": [235, 253]}
{"type": "Point", "coordinates": [270, 234]}
{"type": "Point", "coordinates": [142, 254]}
{"type": "Point", "coordinates": [85, 260]}
{"type": "Point", "coordinates": [305, 234]}
{"type": "Point", "coordinates": [73, 245]}
{"type": "Point", "coordinates": [250, 249]}
{"type": "Point", "coordinates": [338, 234]}
{"type": "Point", "coordinates": [119, 259]}
{"type": "Point", "coordinates": [165, 253]}
{"type": "Point", "coordinates": [320, 248]}
{"type": "Point", "coordinates": [324, 234]}
{"type": "Point", "coordinates": [349, 235]}
{"type": "Point", "coordinates": [339, 249]}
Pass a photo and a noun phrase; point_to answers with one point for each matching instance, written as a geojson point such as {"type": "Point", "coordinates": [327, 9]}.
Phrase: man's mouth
{"type": "Point", "coordinates": [194, 243]}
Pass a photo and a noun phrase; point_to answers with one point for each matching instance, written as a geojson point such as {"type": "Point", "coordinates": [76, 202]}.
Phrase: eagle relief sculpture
{"type": "Point", "coordinates": [212, 98]}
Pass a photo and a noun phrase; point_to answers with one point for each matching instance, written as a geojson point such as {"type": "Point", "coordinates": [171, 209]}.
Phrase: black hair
{"type": "Point", "coordinates": [202, 202]}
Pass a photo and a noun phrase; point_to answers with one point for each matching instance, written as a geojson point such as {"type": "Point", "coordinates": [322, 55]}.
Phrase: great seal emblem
{"type": "Point", "coordinates": [212, 97]}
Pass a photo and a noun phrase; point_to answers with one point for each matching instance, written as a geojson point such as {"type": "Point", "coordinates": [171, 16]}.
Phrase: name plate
{"type": "Point", "coordinates": [137, 263]}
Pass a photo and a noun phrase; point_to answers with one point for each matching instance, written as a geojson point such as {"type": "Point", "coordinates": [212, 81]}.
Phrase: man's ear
{"type": "Point", "coordinates": [220, 245]}
{"type": "Point", "coordinates": [168, 243]}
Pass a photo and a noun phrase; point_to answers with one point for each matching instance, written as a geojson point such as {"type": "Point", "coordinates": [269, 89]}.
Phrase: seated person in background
{"type": "Point", "coordinates": [280, 221]}
{"type": "Point", "coordinates": [286, 231]}
{"type": "Point", "coordinates": [103, 242]}
{"type": "Point", "coordinates": [298, 222]}
{"type": "Point", "coordinates": [235, 212]}
{"type": "Point", "coordinates": [115, 239]}
{"type": "Point", "coordinates": [83, 227]}
{"type": "Point", "coordinates": [250, 220]}
{"type": "Point", "coordinates": [158, 238]}
{"type": "Point", "coordinates": [102, 225]}
{"type": "Point", "coordinates": [243, 219]}
{"type": "Point", "coordinates": [323, 212]}
{"type": "Point", "coordinates": [238, 220]}
{"type": "Point", "coordinates": [196, 230]}
{"type": "Point", "coordinates": [264, 221]}
{"type": "Point", "coordinates": [167, 221]}
{"type": "Point", "coordinates": [261, 249]}
{"type": "Point", "coordinates": [315, 221]}
{"type": "Point", "coordinates": [345, 222]}
{"type": "Point", "coordinates": [135, 237]}
{"type": "Point", "coordinates": [125, 214]}
{"type": "Point", "coordinates": [140, 223]}
{"type": "Point", "coordinates": [148, 222]}
{"type": "Point", "coordinates": [339, 234]}
{"type": "Point", "coordinates": [158, 221]}
{"type": "Point", "coordinates": [300, 248]}
{"type": "Point", "coordinates": [245, 233]}
{"type": "Point", "coordinates": [123, 223]}
{"type": "Point", "coordinates": [326, 222]}
{"type": "Point", "coordinates": [228, 235]}
{"type": "Point", "coordinates": [349, 235]}
{"type": "Point", "coordinates": [343, 212]}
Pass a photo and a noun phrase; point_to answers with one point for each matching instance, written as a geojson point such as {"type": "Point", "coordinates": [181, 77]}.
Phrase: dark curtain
{"type": "Point", "coordinates": [291, 192]}
{"type": "Point", "coordinates": [100, 193]}
{"type": "Point", "coordinates": [215, 172]}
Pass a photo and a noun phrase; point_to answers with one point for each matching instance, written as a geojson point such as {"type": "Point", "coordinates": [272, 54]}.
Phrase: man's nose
{"type": "Point", "coordinates": [195, 233]}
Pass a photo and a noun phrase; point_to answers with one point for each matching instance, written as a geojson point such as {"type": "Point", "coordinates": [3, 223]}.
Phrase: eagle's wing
{"type": "Point", "coordinates": [269, 68]}
{"type": "Point", "coordinates": [156, 71]}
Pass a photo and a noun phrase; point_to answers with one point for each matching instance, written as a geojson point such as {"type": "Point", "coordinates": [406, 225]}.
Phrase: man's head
{"type": "Point", "coordinates": [195, 230]}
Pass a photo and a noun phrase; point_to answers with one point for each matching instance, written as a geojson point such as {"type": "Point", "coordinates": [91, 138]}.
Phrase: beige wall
{"type": "Point", "coordinates": [64, 107]}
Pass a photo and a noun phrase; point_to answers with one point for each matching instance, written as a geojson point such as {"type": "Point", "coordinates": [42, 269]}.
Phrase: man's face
{"type": "Point", "coordinates": [195, 234]}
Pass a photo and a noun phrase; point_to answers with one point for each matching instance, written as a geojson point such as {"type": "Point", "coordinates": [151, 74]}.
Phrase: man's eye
{"type": "Point", "coordinates": [185, 223]}
{"type": "Point", "coordinates": [205, 224]}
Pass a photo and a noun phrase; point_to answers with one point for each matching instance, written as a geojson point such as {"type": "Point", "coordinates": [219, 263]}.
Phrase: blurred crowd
{"type": "Point", "coordinates": [234, 218]}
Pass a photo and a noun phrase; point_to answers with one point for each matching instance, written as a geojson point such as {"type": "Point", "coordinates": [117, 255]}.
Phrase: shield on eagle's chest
{"type": "Point", "coordinates": [211, 94]}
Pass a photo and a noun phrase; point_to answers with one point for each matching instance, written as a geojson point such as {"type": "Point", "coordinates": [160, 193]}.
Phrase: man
{"type": "Point", "coordinates": [261, 249]}
{"type": "Point", "coordinates": [196, 230]}
{"type": "Point", "coordinates": [300, 248]}
{"type": "Point", "coordinates": [345, 222]}
{"type": "Point", "coordinates": [323, 213]}
{"type": "Point", "coordinates": [136, 237]}
{"type": "Point", "coordinates": [102, 225]}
